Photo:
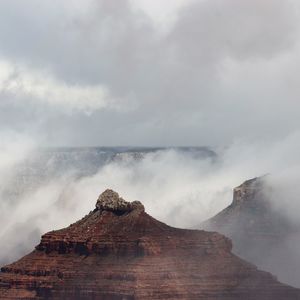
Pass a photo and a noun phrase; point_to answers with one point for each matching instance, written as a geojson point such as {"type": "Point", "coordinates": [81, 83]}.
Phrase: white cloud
{"type": "Point", "coordinates": [26, 84]}
{"type": "Point", "coordinates": [14, 148]}
{"type": "Point", "coordinates": [163, 14]}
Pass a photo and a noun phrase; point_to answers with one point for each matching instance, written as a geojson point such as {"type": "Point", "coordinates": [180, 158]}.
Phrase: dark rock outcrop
{"type": "Point", "coordinates": [260, 233]}
{"type": "Point", "coordinates": [120, 252]}
{"type": "Point", "coordinates": [110, 201]}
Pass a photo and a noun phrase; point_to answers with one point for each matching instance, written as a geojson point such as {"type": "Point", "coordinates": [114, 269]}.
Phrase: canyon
{"type": "Point", "coordinates": [118, 251]}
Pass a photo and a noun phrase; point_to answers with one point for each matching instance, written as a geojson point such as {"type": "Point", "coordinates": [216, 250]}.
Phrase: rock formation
{"type": "Point", "coordinates": [258, 231]}
{"type": "Point", "coordinates": [110, 201]}
{"type": "Point", "coordinates": [118, 251]}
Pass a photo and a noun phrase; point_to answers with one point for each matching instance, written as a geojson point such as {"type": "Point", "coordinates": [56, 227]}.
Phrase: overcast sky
{"type": "Point", "coordinates": [149, 72]}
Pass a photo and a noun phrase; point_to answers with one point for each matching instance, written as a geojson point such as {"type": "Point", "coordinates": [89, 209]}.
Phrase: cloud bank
{"type": "Point", "coordinates": [149, 73]}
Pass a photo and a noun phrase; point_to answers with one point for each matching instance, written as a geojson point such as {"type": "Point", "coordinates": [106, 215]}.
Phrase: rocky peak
{"type": "Point", "coordinates": [110, 200]}
{"type": "Point", "coordinates": [118, 251]}
{"type": "Point", "coordinates": [249, 190]}
{"type": "Point", "coordinates": [260, 233]}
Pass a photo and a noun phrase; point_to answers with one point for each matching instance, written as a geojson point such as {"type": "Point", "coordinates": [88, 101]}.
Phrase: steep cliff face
{"type": "Point", "coordinates": [118, 251]}
{"type": "Point", "coordinates": [250, 215]}
{"type": "Point", "coordinates": [259, 233]}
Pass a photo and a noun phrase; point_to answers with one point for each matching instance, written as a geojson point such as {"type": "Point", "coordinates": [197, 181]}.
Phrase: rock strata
{"type": "Point", "coordinates": [118, 251]}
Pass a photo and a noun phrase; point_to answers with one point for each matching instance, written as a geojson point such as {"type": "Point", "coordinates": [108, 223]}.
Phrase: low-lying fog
{"type": "Point", "coordinates": [178, 187]}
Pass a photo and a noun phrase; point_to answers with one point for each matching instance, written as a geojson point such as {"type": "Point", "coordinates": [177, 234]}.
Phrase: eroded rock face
{"type": "Point", "coordinates": [109, 200]}
{"type": "Point", "coordinates": [260, 234]}
{"type": "Point", "coordinates": [249, 191]}
{"type": "Point", "coordinates": [250, 215]}
{"type": "Point", "coordinates": [130, 255]}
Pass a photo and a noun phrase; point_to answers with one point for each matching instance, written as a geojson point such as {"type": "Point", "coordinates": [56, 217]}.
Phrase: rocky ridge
{"type": "Point", "coordinates": [118, 251]}
{"type": "Point", "coordinates": [260, 233]}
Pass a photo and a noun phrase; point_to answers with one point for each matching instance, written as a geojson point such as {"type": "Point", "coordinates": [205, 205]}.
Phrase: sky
{"type": "Point", "coordinates": [149, 73]}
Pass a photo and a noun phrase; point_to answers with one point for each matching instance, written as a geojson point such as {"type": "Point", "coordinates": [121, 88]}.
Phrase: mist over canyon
{"type": "Point", "coordinates": [45, 189]}
{"type": "Point", "coordinates": [118, 251]}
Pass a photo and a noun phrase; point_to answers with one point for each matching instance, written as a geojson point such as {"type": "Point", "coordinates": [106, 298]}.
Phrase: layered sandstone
{"type": "Point", "coordinates": [118, 251]}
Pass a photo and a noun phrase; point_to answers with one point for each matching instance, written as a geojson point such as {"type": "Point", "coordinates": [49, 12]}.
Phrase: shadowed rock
{"type": "Point", "coordinates": [260, 233]}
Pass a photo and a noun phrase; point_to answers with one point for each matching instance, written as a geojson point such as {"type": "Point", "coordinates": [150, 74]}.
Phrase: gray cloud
{"type": "Point", "coordinates": [221, 72]}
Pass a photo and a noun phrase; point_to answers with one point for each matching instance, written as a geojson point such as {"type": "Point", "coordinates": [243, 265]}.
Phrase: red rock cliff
{"type": "Point", "coordinates": [120, 252]}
